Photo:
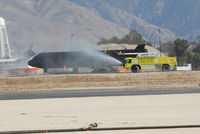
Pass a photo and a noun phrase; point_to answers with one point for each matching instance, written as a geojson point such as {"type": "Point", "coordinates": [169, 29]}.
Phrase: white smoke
{"type": "Point", "coordinates": [101, 59]}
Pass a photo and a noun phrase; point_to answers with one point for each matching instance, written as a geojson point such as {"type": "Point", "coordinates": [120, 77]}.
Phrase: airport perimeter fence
{"type": "Point", "coordinates": [132, 81]}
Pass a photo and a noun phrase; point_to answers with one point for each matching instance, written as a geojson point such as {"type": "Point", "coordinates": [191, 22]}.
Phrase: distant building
{"type": "Point", "coordinates": [114, 46]}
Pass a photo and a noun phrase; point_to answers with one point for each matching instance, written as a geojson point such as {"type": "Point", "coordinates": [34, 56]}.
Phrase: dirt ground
{"type": "Point", "coordinates": [130, 80]}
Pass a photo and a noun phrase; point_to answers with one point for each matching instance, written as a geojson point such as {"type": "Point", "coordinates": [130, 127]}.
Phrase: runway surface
{"type": "Point", "coordinates": [95, 93]}
{"type": "Point", "coordinates": [113, 108]}
{"type": "Point", "coordinates": [106, 111]}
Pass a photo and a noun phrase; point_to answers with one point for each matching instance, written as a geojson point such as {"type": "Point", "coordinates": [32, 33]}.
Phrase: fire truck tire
{"type": "Point", "coordinates": [165, 68]}
{"type": "Point", "coordinates": [135, 69]}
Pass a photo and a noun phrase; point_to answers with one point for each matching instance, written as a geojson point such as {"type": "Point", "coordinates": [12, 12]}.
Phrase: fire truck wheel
{"type": "Point", "coordinates": [165, 68]}
{"type": "Point", "coordinates": [134, 69]}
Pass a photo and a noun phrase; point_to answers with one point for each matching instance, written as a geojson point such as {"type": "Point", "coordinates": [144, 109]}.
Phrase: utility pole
{"type": "Point", "coordinates": [159, 31]}
{"type": "Point", "coordinates": [71, 36]}
{"type": "Point", "coordinates": [159, 37]}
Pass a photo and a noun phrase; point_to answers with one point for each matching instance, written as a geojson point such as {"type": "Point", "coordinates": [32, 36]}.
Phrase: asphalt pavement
{"type": "Point", "coordinates": [95, 93]}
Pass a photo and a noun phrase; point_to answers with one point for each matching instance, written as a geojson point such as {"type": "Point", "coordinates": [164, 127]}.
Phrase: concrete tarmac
{"type": "Point", "coordinates": [107, 111]}
{"type": "Point", "coordinates": [161, 131]}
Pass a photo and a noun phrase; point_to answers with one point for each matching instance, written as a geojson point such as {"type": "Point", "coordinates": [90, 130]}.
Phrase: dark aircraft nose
{"type": "Point", "coordinates": [31, 63]}
{"type": "Point", "coordinates": [34, 62]}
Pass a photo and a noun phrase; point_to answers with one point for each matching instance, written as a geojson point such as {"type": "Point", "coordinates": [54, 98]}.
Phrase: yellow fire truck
{"type": "Point", "coordinates": [150, 62]}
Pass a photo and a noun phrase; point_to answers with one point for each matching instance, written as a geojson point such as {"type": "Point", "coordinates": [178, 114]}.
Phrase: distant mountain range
{"type": "Point", "coordinates": [109, 10]}
{"type": "Point", "coordinates": [49, 24]}
{"type": "Point", "coordinates": [52, 25]}
{"type": "Point", "coordinates": [180, 17]}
